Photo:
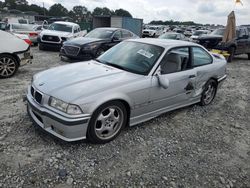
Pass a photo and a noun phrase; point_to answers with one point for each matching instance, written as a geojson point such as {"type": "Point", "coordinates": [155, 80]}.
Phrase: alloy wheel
{"type": "Point", "coordinates": [7, 67]}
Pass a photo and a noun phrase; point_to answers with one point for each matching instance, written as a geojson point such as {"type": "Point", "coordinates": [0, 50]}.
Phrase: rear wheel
{"type": "Point", "coordinates": [8, 66]}
{"type": "Point", "coordinates": [232, 53]}
{"type": "Point", "coordinates": [209, 92]}
{"type": "Point", "coordinates": [107, 122]}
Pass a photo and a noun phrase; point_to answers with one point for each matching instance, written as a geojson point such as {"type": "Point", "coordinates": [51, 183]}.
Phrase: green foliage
{"type": "Point", "coordinates": [122, 12]}
{"type": "Point", "coordinates": [58, 10]}
{"type": "Point", "coordinates": [98, 11]}
{"type": "Point", "coordinates": [171, 22]}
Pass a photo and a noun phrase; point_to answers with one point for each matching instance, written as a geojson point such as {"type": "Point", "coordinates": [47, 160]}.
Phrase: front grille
{"type": "Point", "coordinates": [50, 38]}
{"type": "Point", "coordinates": [36, 95]}
{"type": "Point", "coordinates": [71, 50]}
{"type": "Point", "coordinates": [146, 32]}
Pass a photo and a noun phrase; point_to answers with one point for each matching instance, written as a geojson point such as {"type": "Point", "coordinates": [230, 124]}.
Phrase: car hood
{"type": "Point", "coordinates": [75, 81]}
{"type": "Point", "coordinates": [82, 41]}
{"type": "Point", "coordinates": [56, 33]}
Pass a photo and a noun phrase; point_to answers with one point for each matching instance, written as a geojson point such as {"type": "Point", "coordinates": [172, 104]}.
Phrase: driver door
{"type": "Point", "coordinates": [175, 68]}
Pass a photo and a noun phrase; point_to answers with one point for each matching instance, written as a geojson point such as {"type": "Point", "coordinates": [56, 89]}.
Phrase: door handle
{"type": "Point", "coordinates": [192, 76]}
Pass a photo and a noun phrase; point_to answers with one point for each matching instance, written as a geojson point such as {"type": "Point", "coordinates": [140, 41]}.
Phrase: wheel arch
{"type": "Point", "coordinates": [13, 55]}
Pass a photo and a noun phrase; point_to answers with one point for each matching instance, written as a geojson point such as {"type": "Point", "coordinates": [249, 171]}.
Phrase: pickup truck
{"type": "Point", "coordinates": [57, 33]}
{"type": "Point", "coordinates": [14, 53]}
{"type": "Point", "coordinates": [239, 45]}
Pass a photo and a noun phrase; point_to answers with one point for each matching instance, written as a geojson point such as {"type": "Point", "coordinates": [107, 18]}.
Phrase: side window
{"type": "Point", "coordinates": [175, 60]}
{"type": "Point", "coordinates": [126, 34]}
{"type": "Point", "coordinates": [201, 57]}
{"type": "Point", "coordinates": [75, 30]}
{"type": "Point", "coordinates": [118, 35]}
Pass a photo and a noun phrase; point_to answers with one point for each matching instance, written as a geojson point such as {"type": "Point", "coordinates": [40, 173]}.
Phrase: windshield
{"type": "Point", "coordinates": [218, 32]}
{"type": "Point", "coordinates": [22, 27]}
{"type": "Point", "coordinates": [198, 33]}
{"type": "Point", "coordinates": [168, 36]}
{"type": "Point", "coordinates": [131, 56]}
{"type": "Point", "coordinates": [152, 28]}
{"type": "Point", "coordinates": [60, 27]}
{"type": "Point", "coordinates": [100, 33]}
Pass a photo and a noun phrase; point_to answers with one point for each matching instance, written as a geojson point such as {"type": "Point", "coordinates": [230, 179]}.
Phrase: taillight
{"type": "Point", "coordinates": [28, 41]}
{"type": "Point", "coordinates": [33, 34]}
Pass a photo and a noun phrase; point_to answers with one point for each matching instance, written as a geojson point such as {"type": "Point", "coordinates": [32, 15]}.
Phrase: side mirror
{"type": "Point", "coordinates": [163, 81]}
{"type": "Point", "coordinates": [115, 38]}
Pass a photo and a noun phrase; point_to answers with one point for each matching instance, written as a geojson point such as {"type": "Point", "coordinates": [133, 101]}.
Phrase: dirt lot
{"type": "Point", "coordinates": [191, 147]}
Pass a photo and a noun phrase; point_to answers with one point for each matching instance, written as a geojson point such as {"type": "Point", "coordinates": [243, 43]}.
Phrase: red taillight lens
{"type": "Point", "coordinates": [32, 34]}
{"type": "Point", "coordinates": [28, 41]}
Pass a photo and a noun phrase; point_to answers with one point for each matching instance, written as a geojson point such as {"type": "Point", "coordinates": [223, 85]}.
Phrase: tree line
{"type": "Point", "coordinates": [78, 13]}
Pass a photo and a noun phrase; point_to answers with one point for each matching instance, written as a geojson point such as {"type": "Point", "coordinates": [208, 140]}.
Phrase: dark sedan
{"type": "Point", "coordinates": [94, 43]}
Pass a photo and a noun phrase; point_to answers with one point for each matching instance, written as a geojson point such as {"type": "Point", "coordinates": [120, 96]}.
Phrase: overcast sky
{"type": "Point", "coordinates": [200, 11]}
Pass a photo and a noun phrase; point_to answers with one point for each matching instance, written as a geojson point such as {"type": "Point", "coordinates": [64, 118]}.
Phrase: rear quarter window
{"type": "Point", "coordinates": [201, 57]}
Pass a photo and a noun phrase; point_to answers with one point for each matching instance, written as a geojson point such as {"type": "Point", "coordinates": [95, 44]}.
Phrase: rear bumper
{"type": "Point", "coordinates": [221, 80]}
{"type": "Point", "coordinates": [67, 129]}
{"type": "Point", "coordinates": [25, 58]}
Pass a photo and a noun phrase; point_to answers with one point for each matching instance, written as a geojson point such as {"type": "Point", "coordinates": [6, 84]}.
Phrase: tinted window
{"type": "Point", "coordinates": [126, 34]}
{"type": "Point", "coordinates": [60, 27]}
{"type": "Point", "coordinates": [175, 60]}
{"type": "Point", "coordinates": [131, 56]}
{"type": "Point", "coordinates": [201, 57]}
{"type": "Point", "coordinates": [100, 33]}
{"type": "Point", "coordinates": [118, 35]}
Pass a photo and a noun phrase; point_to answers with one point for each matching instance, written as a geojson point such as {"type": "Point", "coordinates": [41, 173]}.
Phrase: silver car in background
{"type": "Point", "coordinates": [132, 82]}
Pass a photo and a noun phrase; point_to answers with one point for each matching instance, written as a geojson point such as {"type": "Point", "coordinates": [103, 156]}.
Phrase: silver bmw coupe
{"type": "Point", "coordinates": [132, 82]}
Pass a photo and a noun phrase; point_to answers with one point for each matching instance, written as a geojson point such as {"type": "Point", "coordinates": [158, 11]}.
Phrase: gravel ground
{"type": "Point", "coordinates": [190, 147]}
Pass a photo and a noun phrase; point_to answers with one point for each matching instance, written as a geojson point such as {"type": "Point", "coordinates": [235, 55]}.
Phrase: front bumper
{"type": "Point", "coordinates": [25, 58]}
{"type": "Point", "coordinates": [67, 129]}
{"type": "Point", "coordinates": [86, 55]}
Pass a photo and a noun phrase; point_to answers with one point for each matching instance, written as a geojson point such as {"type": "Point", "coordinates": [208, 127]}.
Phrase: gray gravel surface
{"type": "Point", "coordinates": [190, 147]}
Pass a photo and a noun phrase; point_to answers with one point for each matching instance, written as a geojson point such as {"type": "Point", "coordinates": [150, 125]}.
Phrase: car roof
{"type": "Point", "coordinates": [165, 43]}
{"type": "Point", "coordinates": [68, 23]}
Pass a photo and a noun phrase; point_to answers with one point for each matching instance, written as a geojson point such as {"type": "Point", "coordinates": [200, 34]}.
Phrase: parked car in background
{"type": "Point", "coordinates": [174, 36]}
{"type": "Point", "coordinates": [94, 43]}
{"type": "Point", "coordinates": [25, 29]}
{"type": "Point", "coordinates": [57, 33]}
{"type": "Point", "coordinates": [14, 52]}
{"type": "Point", "coordinates": [3, 26]}
{"type": "Point", "coordinates": [199, 33]}
{"type": "Point", "coordinates": [132, 82]}
{"type": "Point", "coordinates": [152, 31]}
{"type": "Point", "coordinates": [239, 45]}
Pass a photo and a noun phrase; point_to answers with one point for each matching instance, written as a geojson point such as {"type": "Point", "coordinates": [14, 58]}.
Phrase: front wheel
{"type": "Point", "coordinates": [208, 93]}
{"type": "Point", "coordinates": [8, 66]}
{"type": "Point", "coordinates": [107, 122]}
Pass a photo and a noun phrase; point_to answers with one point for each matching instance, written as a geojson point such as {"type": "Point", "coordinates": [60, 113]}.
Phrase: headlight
{"type": "Point", "coordinates": [90, 47]}
{"type": "Point", "coordinates": [64, 107]}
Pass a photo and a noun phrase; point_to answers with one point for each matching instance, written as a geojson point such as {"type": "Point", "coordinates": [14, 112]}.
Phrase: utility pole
{"type": "Point", "coordinates": [43, 9]}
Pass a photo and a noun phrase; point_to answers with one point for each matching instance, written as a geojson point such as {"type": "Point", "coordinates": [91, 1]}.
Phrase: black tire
{"type": "Point", "coordinates": [8, 65]}
{"type": "Point", "coordinates": [41, 47]}
{"type": "Point", "coordinates": [232, 53]}
{"type": "Point", "coordinates": [101, 121]}
{"type": "Point", "coordinates": [248, 56]}
{"type": "Point", "coordinates": [207, 97]}
{"type": "Point", "coordinates": [99, 52]}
